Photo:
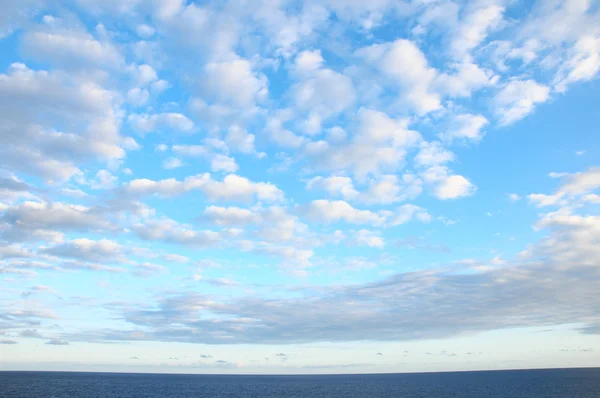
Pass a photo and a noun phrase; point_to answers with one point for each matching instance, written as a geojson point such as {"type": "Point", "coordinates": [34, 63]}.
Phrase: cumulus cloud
{"type": "Point", "coordinates": [170, 231]}
{"type": "Point", "coordinates": [223, 163]}
{"type": "Point", "coordinates": [368, 238]}
{"type": "Point", "coordinates": [12, 189]}
{"type": "Point", "coordinates": [15, 13]}
{"type": "Point", "coordinates": [229, 90]}
{"type": "Point", "coordinates": [479, 19]}
{"type": "Point", "coordinates": [228, 215]}
{"type": "Point", "coordinates": [326, 211]}
{"type": "Point", "coordinates": [239, 140]}
{"type": "Point", "coordinates": [379, 145]}
{"type": "Point", "coordinates": [14, 251]}
{"type": "Point", "coordinates": [446, 185]}
{"type": "Point", "coordinates": [573, 186]}
{"type": "Point", "coordinates": [513, 197]}
{"type": "Point", "coordinates": [172, 163]}
{"type": "Point", "coordinates": [518, 98]}
{"type": "Point", "coordinates": [406, 65]}
{"type": "Point", "coordinates": [34, 102]}
{"type": "Point", "coordinates": [145, 123]}
{"type": "Point", "coordinates": [70, 48]}
{"type": "Point", "coordinates": [334, 186]}
{"type": "Point", "coordinates": [148, 269]}
{"type": "Point", "coordinates": [39, 220]}
{"type": "Point", "coordinates": [87, 250]}
{"type": "Point", "coordinates": [466, 127]}
{"type": "Point", "coordinates": [383, 190]}
{"type": "Point", "coordinates": [233, 187]}
{"type": "Point", "coordinates": [433, 154]}
{"type": "Point", "coordinates": [103, 180]}
{"type": "Point", "coordinates": [321, 92]}
{"type": "Point", "coordinates": [408, 212]}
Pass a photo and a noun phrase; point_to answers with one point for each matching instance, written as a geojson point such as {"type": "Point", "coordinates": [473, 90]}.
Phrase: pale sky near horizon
{"type": "Point", "coordinates": [331, 186]}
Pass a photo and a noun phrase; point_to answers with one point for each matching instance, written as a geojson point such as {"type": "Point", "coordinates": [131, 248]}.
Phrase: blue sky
{"type": "Point", "coordinates": [299, 187]}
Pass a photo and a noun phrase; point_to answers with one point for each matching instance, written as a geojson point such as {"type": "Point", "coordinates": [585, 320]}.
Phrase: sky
{"type": "Point", "coordinates": [280, 186]}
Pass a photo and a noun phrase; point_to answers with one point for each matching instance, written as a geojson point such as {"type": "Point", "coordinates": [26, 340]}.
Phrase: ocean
{"type": "Point", "coordinates": [571, 383]}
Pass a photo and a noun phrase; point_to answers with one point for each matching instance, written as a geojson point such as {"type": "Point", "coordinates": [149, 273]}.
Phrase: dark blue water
{"type": "Point", "coordinates": [570, 383]}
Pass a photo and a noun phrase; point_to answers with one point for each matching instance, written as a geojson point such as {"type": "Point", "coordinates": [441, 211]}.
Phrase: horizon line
{"type": "Point", "coordinates": [307, 374]}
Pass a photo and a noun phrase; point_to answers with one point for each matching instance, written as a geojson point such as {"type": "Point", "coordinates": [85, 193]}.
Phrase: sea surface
{"type": "Point", "coordinates": [571, 383]}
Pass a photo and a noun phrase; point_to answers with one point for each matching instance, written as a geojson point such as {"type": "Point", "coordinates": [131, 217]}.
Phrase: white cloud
{"type": "Point", "coordinates": [582, 182]}
{"type": "Point", "coordinates": [321, 93]}
{"type": "Point", "coordinates": [14, 251]}
{"type": "Point", "coordinates": [15, 13]}
{"type": "Point", "coordinates": [286, 27]}
{"type": "Point", "coordinates": [71, 48]}
{"type": "Point", "coordinates": [177, 258]}
{"type": "Point", "coordinates": [569, 20]}
{"type": "Point", "coordinates": [103, 180]}
{"type": "Point", "coordinates": [480, 18]}
{"type": "Point", "coordinates": [308, 62]}
{"type": "Point", "coordinates": [223, 163]}
{"type": "Point", "coordinates": [88, 250]}
{"type": "Point", "coordinates": [518, 98]}
{"type": "Point", "coordinates": [229, 91]}
{"type": "Point", "coordinates": [591, 198]}
{"type": "Point", "coordinates": [145, 123]}
{"type": "Point", "coordinates": [334, 186]}
{"type": "Point", "coordinates": [44, 220]}
{"type": "Point", "coordinates": [583, 63]}
{"type": "Point", "coordinates": [407, 213]}
{"type": "Point", "coordinates": [281, 135]}
{"type": "Point", "coordinates": [75, 193]}
{"type": "Point", "coordinates": [404, 63]}
{"type": "Point", "coordinates": [326, 211]}
{"type": "Point", "coordinates": [137, 96]}
{"type": "Point", "coordinates": [465, 127]}
{"type": "Point", "coordinates": [382, 190]}
{"type": "Point", "coordinates": [513, 197]}
{"type": "Point", "coordinates": [468, 77]}
{"type": "Point", "coordinates": [368, 238]}
{"type": "Point", "coordinates": [168, 187]}
{"type": "Point", "coordinates": [228, 215]}
{"type": "Point", "coordinates": [502, 51]}
{"type": "Point", "coordinates": [172, 163]}
{"type": "Point", "coordinates": [366, 14]}
{"type": "Point", "coordinates": [447, 185]}
{"type": "Point", "coordinates": [148, 269]}
{"type": "Point", "coordinates": [172, 232]}
{"type": "Point", "coordinates": [572, 242]}
{"type": "Point", "coordinates": [239, 140]}
{"type": "Point", "coordinates": [144, 31]}
{"type": "Point", "coordinates": [34, 102]}
{"type": "Point", "coordinates": [391, 189]}
{"type": "Point", "coordinates": [541, 200]}
{"type": "Point", "coordinates": [159, 86]}
{"type": "Point", "coordinates": [13, 189]}
{"type": "Point", "coordinates": [433, 154]}
{"type": "Point", "coordinates": [233, 187]}
{"type": "Point", "coordinates": [190, 150]}
{"type": "Point", "coordinates": [234, 83]}
{"type": "Point", "coordinates": [573, 186]}
{"type": "Point", "coordinates": [144, 74]}
{"type": "Point", "coordinates": [378, 145]}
